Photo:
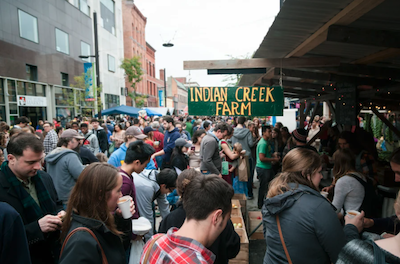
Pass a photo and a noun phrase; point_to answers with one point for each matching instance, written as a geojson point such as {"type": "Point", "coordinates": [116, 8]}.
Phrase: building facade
{"type": "Point", "coordinates": [40, 45]}
{"type": "Point", "coordinates": [177, 94]}
{"type": "Point", "coordinates": [152, 81]}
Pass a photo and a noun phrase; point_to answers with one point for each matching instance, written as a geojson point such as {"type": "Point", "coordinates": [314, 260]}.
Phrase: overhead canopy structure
{"type": "Point", "coordinates": [152, 112]}
{"type": "Point", "coordinates": [121, 110]}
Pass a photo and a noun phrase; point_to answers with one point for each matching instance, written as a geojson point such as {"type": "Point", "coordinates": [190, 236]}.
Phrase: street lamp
{"type": "Point", "coordinates": [97, 61]}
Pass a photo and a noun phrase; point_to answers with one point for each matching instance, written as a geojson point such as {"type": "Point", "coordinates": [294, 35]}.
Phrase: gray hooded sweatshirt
{"type": "Point", "coordinates": [64, 166]}
{"type": "Point", "coordinates": [244, 137]}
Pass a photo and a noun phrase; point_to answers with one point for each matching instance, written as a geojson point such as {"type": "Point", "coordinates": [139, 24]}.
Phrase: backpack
{"type": "Point", "coordinates": [371, 204]}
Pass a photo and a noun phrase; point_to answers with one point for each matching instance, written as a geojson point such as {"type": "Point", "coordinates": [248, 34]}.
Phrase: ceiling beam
{"type": "Point", "coordinates": [379, 56]}
{"type": "Point", "coordinates": [312, 86]}
{"type": "Point", "coordinates": [330, 77]}
{"type": "Point", "coordinates": [363, 36]}
{"type": "Point", "coordinates": [261, 63]}
{"type": "Point", "coordinates": [346, 16]}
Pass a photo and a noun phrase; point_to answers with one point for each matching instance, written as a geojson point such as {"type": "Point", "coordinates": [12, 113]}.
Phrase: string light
{"type": "Point", "coordinates": [388, 92]}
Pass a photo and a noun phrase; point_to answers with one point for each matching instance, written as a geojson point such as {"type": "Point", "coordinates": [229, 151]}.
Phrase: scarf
{"type": "Point", "coordinates": [32, 210]}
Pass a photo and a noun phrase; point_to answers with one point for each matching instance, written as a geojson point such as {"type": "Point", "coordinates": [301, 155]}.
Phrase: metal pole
{"type": "Point", "coordinates": [165, 88]}
{"type": "Point", "coordinates": [96, 56]}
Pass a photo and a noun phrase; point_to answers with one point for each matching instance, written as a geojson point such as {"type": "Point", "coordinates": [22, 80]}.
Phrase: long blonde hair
{"type": "Point", "coordinates": [297, 167]}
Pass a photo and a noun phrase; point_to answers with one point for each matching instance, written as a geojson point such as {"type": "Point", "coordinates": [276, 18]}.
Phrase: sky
{"type": "Point", "coordinates": [205, 30]}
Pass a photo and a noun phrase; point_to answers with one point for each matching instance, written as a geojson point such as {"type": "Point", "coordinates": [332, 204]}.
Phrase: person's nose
{"type": "Point", "coordinates": [37, 165]}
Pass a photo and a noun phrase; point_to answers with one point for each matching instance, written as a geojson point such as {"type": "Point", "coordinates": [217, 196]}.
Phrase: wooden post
{"type": "Point", "coordinates": [333, 111]}
{"type": "Point", "coordinates": [384, 120]}
{"type": "Point", "coordinates": [301, 122]}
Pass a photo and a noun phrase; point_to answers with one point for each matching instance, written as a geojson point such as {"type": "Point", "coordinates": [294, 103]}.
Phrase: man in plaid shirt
{"type": "Point", "coordinates": [51, 139]}
{"type": "Point", "coordinates": [207, 203]}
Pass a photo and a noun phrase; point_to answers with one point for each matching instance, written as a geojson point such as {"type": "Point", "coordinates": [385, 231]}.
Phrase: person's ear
{"type": "Point", "coordinates": [217, 216]}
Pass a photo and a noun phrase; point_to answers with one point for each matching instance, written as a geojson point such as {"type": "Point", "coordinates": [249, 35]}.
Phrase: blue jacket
{"type": "Point", "coordinates": [119, 155]}
{"type": "Point", "coordinates": [169, 143]}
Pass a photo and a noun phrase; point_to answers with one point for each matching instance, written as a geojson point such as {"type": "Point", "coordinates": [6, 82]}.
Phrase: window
{"type": "Point", "coordinates": [107, 11]}
{"type": "Point", "coordinates": [81, 4]}
{"type": "Point", "coordinates": [111, 63]}
{"type": "Point", "coordinates": [64, 79]}
{"type": "Point", "coordinates": [85, 50]}
{"type": "Point", "coordinates": [31, 73]}
{"type": "Point", "coordinates": [62, 44]}
{"type": "Point", "coordinates": [2, 91]}
{"type": "Point", "coordinates": [28, 27]}
{"type": "Point", "coordinates": [111, 100]}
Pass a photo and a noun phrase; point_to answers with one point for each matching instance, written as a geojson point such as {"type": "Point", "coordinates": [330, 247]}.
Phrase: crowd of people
{"type": "Point", "coordinates": [60, 186]}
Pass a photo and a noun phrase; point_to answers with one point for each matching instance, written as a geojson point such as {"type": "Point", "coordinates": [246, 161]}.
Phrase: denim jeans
{"type": "Point", "coordinates": [265, 176]}
{"type": "Point", "coordinates": [250, 180]}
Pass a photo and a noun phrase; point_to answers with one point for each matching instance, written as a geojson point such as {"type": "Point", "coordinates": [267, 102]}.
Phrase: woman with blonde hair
{"type": "Point", "coordinates": [300, 225]}
{"type": "Point", "coordinates": [92, 205]}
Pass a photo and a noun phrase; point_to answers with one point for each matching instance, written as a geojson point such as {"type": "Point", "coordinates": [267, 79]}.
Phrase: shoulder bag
{"type": "Point", "coordinates": [103, 255]}
{"type": "Point", "coordinates": [147, 255]}
{"type": "Point", "coordinates": [283, 241]}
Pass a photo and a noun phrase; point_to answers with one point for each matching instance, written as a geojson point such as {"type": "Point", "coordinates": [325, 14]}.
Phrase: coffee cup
{"type": "Point", "coordinates": [352, 213]}
{"type": "Point", "coordinates": [156, 144]}
{"type": "Point", "coordinates": [325, 194]}
{"type": "Point", "coordinates": [124, 203]}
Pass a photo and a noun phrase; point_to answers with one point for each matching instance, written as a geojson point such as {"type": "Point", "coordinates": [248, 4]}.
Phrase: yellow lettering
{"type": "Point", "coordinates": [191, 94]}
{"type": "Point", "coordinates": [198, 94]}
{"type": "Point", "coordinates": [219, 107]}
{"type": "Point", "coordinates": [235, 107]}
{"type": "Point", "coordinates": [253, 94]}
{"type": "Point", "coordinates": [226, 109]}
{"type": "Point", "coordinates": [224, 92]}
{"type": "Point", "coordinates": [248, 107]}
{"type": "Point", "coordinates": [269, 94]}
{"type": "Point", "coordinates": [211, 94]}
{"type": "Point", "coordinates": [206, 89]}
{"type": "Point", "coordinates": [236, 95]}
{"type": "Point", "coordinates": [216, 94]}
{"type": "Point", "coordinates": [246, 94]}
{"type": "Point", "coordinates": [261, 94]}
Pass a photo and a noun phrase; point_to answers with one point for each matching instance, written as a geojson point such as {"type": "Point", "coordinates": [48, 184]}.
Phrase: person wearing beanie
{"type": "Point", "coordinates": [300, 137]}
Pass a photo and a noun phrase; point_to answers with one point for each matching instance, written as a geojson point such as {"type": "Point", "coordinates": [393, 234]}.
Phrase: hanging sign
{"type": "Point", "coordinates": [236, 101]}
{"type": "Point", "coordinates": [89, 81]}
{"type": "Point", "coordinates": [25, 100]}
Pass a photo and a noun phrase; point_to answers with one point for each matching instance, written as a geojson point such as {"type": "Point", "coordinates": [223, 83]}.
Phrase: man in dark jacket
{"type": "Point", "coordinates": [31, 193]}
{"type": "Point", "coordinates": [171, 135]}
{"type": "Point", "coordinates": [101, 135]}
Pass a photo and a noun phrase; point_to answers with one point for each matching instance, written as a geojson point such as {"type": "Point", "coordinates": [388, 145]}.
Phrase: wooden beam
{"type": "Point", "coordinates": [371, 71]}
{"type": "Point", "coordinates": [379, 56]}
{"type": "Point", "coordinates": [325, 127]}
{"type": "Point", "coordinates": [330, 77]}
{"type": "Point", "coordinates": [237, 71]}
{"type": "Point", "coordinates": [385, 121]}
{"type": "Point", "coordinates": [261, 63]}
{"type": "Point", "coordinates": [364, 36]}
{"type": "Point", "coordinates": [303, 92]}
{"type": "Point", "coordinates": [346, 16]}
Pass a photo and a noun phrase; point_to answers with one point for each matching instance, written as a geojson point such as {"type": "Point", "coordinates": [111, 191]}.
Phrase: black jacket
{"type": "Point", "coordinates": [225, 247]}
{"type": "Point", "coordinates": [87, 156]}
{"type": "Point", "coordinates": [102, 138]}
{"type": "Point", "coordinates": [44, 247]}
{"type": "Point", "coordinates": [82, 248]}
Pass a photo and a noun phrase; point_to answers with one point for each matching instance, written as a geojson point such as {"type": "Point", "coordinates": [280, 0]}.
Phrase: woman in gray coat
{"type": "Point", "coordinates": [300, 225]}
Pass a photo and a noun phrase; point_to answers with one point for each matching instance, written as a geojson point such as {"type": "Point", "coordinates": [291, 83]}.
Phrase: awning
{"type": "Point", "coordinates": [122, 109]}
{"type": "Point", "coordinates": [152, 112]}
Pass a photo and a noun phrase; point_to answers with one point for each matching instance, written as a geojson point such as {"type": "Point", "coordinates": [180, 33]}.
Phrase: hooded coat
{"type": "Point", "coordinates": [310, 227]}
{"type": "Point", "coordinates": [244, 137]}
{"type": "Point", "coordinates": [64, 165]}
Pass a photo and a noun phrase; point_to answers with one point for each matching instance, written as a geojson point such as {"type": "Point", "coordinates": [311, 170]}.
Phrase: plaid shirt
{"type": "Point", "coordinates": [50, 141]}
{"type": "Point", "coordinates": [170, 248]}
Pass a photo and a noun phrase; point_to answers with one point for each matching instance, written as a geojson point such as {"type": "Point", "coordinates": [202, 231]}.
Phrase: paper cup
{"type": "Point", "coordinates": [325, 194]}
{"type": "Point", "coordinates": [156, 144]}
{"type": "Point", "coordinates": [352, 213]}
{"type": "Point", "coordinates": [124, 203]}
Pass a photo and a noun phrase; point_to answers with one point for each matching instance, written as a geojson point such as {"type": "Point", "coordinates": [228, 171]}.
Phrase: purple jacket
{"type": "Point", "coordinates": [128, 188]}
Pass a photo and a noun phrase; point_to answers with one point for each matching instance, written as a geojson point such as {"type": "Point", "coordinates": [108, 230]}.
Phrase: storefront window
{"type": "Point", "coordinates": [64, 96]}
{"type": "Point", "coordinates": [40, 90]}
{"type": "Point", "coordinates": [12, 92]}
{"type": "Point", "coordinates": [1, 91]}
{"type": "Point", "coordinates": [13, 109]}
{"type": "Point", "coordinates": [2, 113]}
{"type": "Point", "coordinates": [30, 89]}
{"type": "Point", "coordinates": [111, 100]}
{"type": "Point", "coordinates": [65, 114]}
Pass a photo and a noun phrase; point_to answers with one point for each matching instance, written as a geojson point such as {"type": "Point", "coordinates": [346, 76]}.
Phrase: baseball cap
{"type": "Point", "coordinates": [147, 129]}
{"type": "Point", "coordinates": [181, 142]}
{"type": "Point", "coordinates": [135, 132]}
{"type": "Point", "coordinates": [71, 133]}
